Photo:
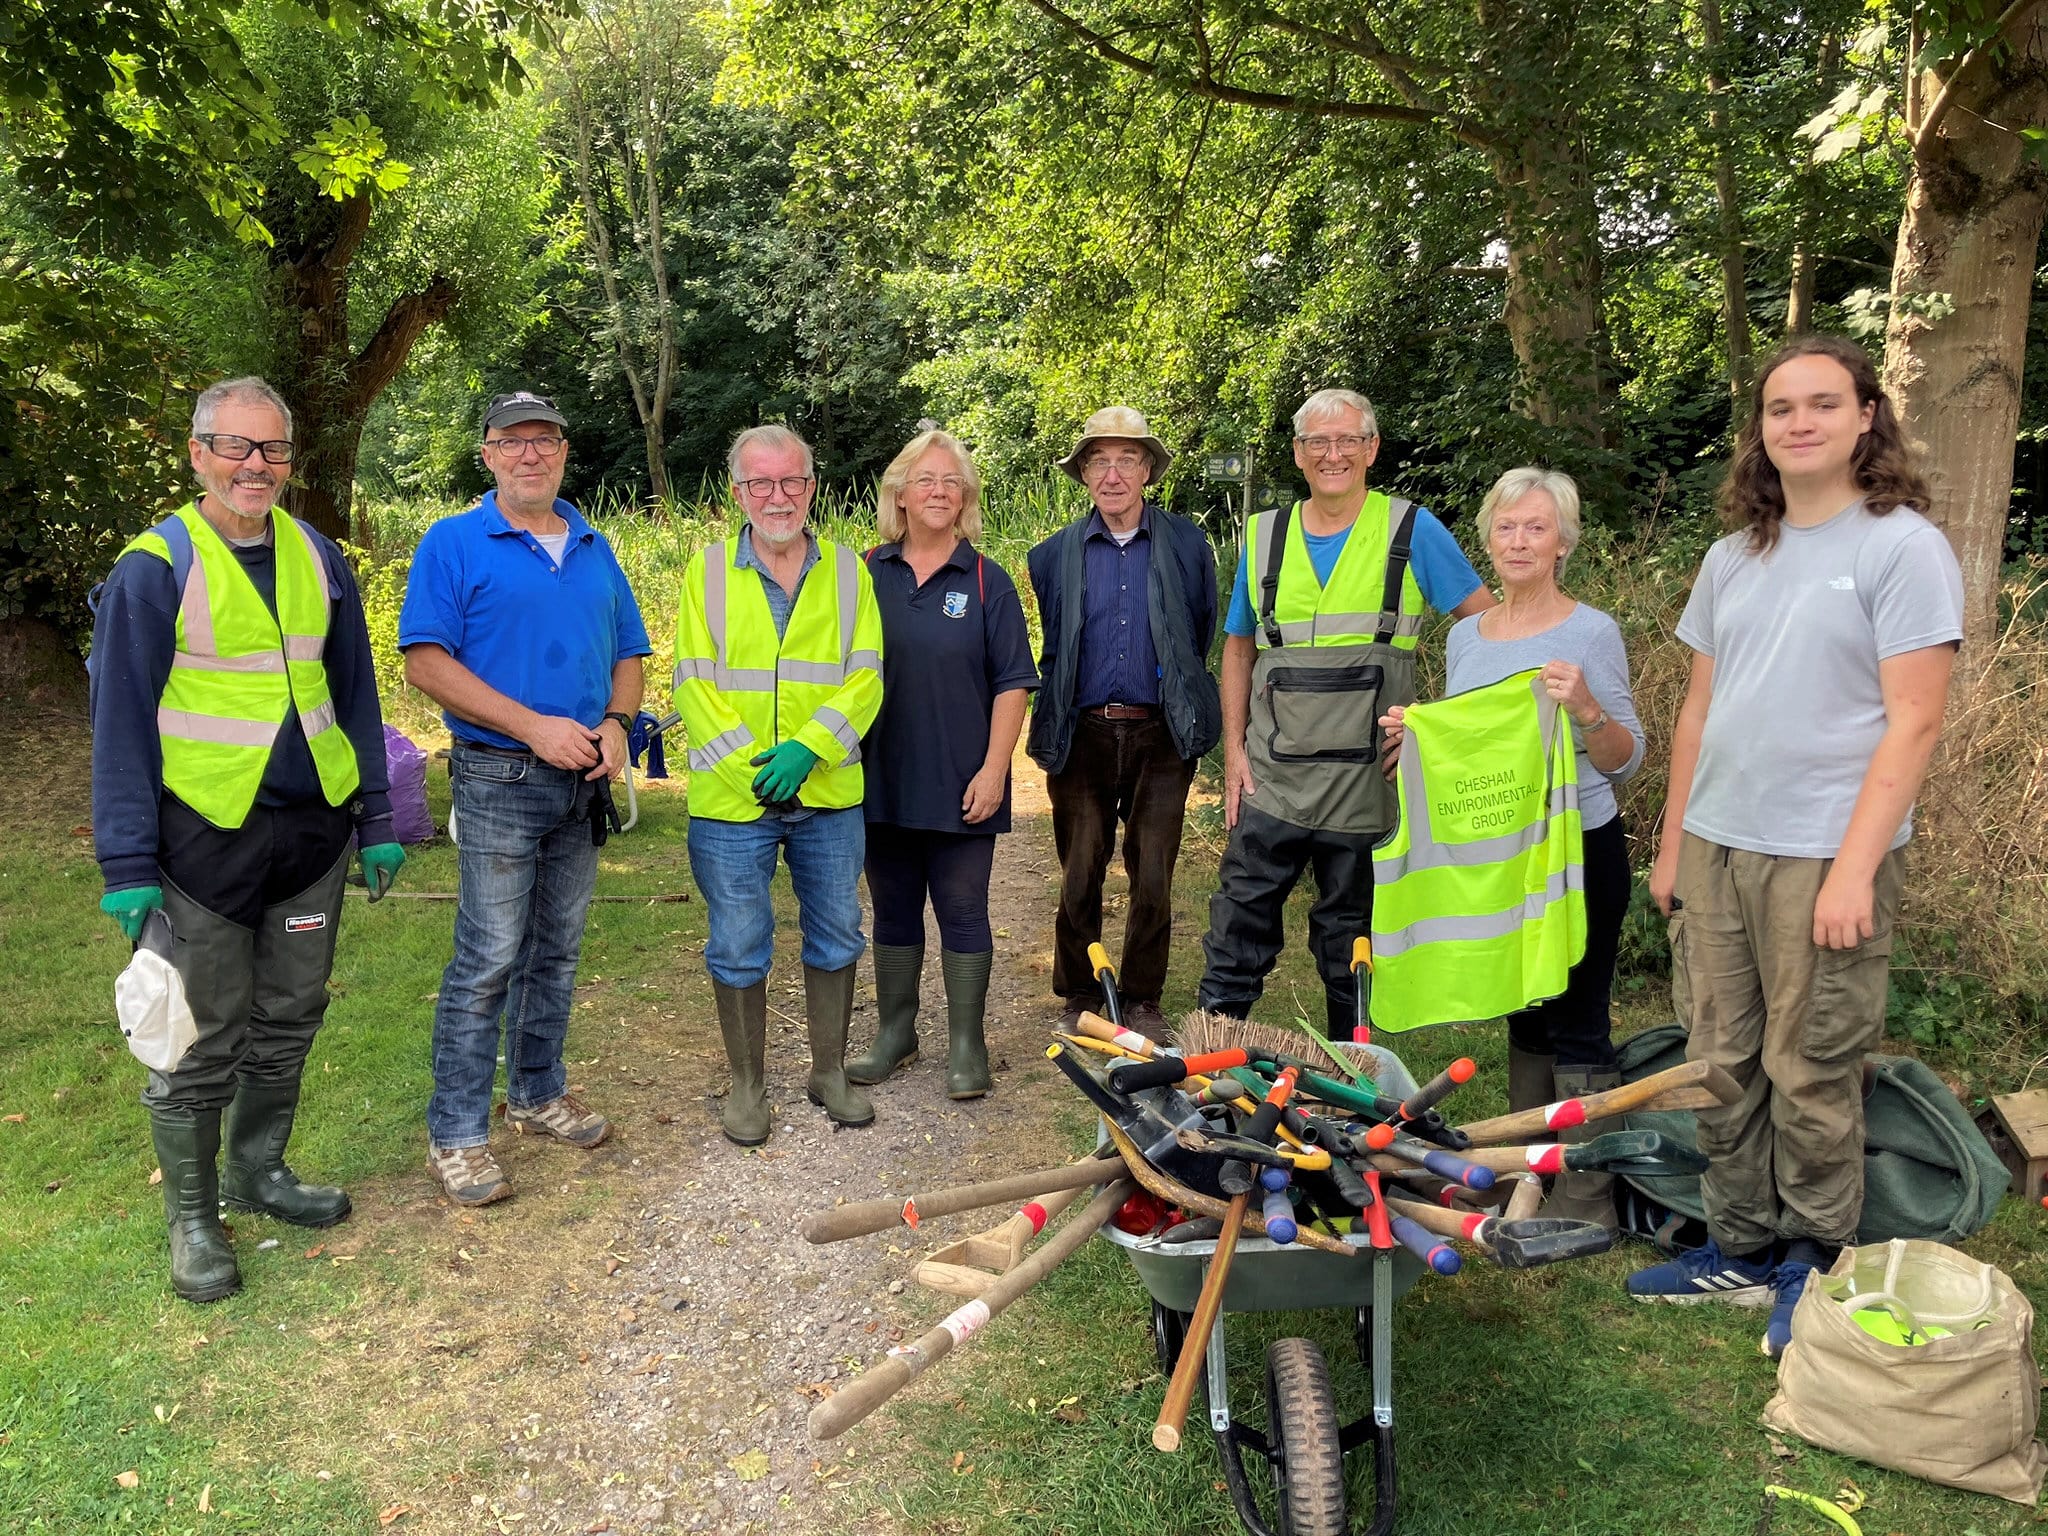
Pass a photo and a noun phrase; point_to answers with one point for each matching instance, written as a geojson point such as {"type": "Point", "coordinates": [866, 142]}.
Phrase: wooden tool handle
{"type": "Point", "coordinates": [1689, 1085]}
{"type": "Point", "coordinates": [865, 1216]}
{"type": "Point", "coordinates": [876, 1385]}
{"type": "Point", "coordinates": [1096, 1027]}
{"type": "Point", "coordinates": [1527, 1198]}
{"type": "Point", "coordinates": [1187, 1370]}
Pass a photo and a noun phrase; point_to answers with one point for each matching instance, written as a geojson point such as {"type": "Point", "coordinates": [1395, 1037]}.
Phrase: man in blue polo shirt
{"type": "Point", "coordinates": [519, 623]}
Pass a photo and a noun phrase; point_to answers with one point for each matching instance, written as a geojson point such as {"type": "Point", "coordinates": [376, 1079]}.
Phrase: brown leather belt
{"type": "Point", "coordinates": [1124, 711]}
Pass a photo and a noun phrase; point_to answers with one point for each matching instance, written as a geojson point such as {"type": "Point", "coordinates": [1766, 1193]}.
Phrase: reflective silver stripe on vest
{"type": "Point", "coordinates": [714, 598]}
{"type": "Point", "coordinates": [196, 609]}
{"type": "Point", "coordinates": [256, 661]}
{"type": "Point", "coordinates": [726, 679]}
{"type": "Point", "coordinates": [863, 661]}
{"type": "Point", "coordinates": [305, 647]}
{"type": "Point", "coordinates": [842, 728]}
{"type": "Point", "coordinates": [222, 730]}
{"type": "Point", "coordinates": [829, 673]}
{"type": "Point", "coordinates": [848, 571]}
{"type": "Point", "coordinates": [312, 553]}
{"type": "Point", "coordinates": [719, 748]}
{"type": "Point", "coordinates": [1490, 925]}
{"type": "Point", "coordinates": [317, 719]}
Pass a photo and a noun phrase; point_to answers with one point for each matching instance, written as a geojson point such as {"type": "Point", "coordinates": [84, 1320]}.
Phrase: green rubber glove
{"type": "Point", "coordinates": [381, 864]}
{"type": "Point", "coordinates": [131, 908]}
{"type": "Point", "coordinates": [789, 763]}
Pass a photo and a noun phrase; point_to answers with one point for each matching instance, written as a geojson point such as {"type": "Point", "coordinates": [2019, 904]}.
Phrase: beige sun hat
{"type": "Point", "coordinates": [1118, 421]}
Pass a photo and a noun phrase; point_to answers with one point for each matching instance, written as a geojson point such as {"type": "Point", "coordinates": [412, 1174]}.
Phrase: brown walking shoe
{"type": "Point", "coordinates": [469, 1174]}
{"type": "Point", "coordinates": [566, 1119]}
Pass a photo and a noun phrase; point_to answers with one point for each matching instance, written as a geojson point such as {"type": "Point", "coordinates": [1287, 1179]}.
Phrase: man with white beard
{"type": "Point", "coordinates": [778, 676]}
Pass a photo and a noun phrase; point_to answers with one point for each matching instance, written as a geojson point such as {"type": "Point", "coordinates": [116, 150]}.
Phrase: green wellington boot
{"type": "Point", "coordinates": [1585, 1196]}
{"type": "Point", "coordinates": [188, 1150]}
{"type": "Point", "coordinates": [828, 999]}
{"type": "Point", "coordinates": [1530, 1079]}
{"type": "Point", "coordinates": [966, 1010]}
{"type": "Point", "coordinates": [898, 968]}
{"type": "Point", "coordinates": [743, 1020]}
{"type": "Point", "coordinates": [256, 1178]}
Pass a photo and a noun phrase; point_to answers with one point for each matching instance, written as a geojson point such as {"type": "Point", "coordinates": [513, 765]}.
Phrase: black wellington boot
{"type": "Point", "coordinates": [256, 1178]}
{"type": "Point", "coordinates": [188, 1150]}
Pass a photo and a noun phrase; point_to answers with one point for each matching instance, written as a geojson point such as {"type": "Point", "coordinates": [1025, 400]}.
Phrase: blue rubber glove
{"type": "Point", "coordinates": [381, 864]}
{"type": "Point", "coordinates": [131, 908]}
{"type": "Point", "coordinates": [789, 763]}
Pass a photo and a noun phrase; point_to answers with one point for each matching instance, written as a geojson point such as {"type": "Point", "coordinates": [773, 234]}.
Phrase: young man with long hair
{"type": "Point", "coordinates": [1824, 629]}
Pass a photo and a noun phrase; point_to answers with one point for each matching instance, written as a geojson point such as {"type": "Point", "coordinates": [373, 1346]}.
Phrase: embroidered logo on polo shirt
{"type": "Point", "coordinates": [955, 605]}
{"type": "Point", "coordinates": [1843, 583]}
{"type": "Point", "coordinates": [306, 924]}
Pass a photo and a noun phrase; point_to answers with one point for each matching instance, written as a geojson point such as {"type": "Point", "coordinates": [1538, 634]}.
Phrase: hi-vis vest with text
{"type": "Point", "coordinates": [237, 671]}
{"type": "Point", "coordinates": [1479, 901]}
{"type": "Point", "coordinates": [741, 690]}
{"type": "Point", "coordinates": [1331, 660]}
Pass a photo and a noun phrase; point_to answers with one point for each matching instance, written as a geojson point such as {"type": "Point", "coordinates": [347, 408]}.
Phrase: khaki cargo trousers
{"type": "Point", "coordinates": [1789, 1021]}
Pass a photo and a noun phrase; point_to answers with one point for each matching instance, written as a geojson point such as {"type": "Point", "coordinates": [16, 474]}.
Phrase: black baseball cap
{"type": "Point", "coordinates": [521, 405]}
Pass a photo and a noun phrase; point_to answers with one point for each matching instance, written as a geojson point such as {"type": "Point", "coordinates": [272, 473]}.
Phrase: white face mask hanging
{"type": "Point", "coordinates": [149, 1000]}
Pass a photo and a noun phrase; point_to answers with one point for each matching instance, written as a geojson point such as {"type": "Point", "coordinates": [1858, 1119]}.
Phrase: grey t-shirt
{"type": "Point", "coordinates": [1796, 636]}
{"type": "Point", "coordinates": [1590, 641]}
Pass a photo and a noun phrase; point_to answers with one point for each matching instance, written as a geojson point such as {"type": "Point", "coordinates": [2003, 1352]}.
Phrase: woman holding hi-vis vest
{"type": "Point", "coordinates": [1824, 630]}
{"type": "Point", "coordinates": [1562, 1047]}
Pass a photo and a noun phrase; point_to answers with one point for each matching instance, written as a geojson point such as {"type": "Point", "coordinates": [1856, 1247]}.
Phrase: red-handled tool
{"type": "Point", "coordinates": [1361, 990]}
{"type": "Point", "coordinates": [1265, 1119]}
{"type": "Point", "coordinates": [1136, 1076]}
{"type": "Point", "coordinates": [1445, 1165]}
{"type": "Point", "coordinates": [1438, 1088]}
{"type": "Point", "coordinates": [1376, 1222]}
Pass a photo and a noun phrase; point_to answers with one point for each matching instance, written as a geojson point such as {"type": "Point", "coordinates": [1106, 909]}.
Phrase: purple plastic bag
{"type": "Point", "coordinates": [411, 822]}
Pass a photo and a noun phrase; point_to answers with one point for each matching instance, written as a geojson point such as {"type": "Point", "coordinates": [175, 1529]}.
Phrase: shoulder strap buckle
{"type": "Point", "coordinates": [1400, 543]}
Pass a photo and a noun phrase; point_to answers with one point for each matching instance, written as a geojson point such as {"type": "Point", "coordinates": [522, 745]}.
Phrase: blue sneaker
{"type": "Point", "coordinates": [1788, 1282]}
{"type": "Point", "coordinates": [1705, 1274]}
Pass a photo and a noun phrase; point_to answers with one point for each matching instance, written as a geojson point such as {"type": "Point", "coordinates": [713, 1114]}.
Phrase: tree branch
{"type": "Point", "coordinates": [1216, 90]}
{"type": "Point", "coordinates": [2012, 16]}
{"type": "Point", "coordinates": [385, 353]}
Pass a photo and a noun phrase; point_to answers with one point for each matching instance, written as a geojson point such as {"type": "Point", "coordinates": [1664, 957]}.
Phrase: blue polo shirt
{"type": "Point", "coordinates": [1441, 570]}
{"type": "Point", "coordinates": [948, 648]}
{"type": "Point", "coordinates": [545, 634]}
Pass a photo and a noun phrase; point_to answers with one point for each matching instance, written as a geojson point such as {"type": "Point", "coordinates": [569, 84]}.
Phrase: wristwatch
{"type": "Point", "coordinates": [625, 721]}
{"type": "Point", "coordinates": [1597, 724]}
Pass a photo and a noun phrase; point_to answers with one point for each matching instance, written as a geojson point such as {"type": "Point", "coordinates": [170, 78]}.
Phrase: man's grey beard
{"type": "Point", "coordinates": [778, 540]}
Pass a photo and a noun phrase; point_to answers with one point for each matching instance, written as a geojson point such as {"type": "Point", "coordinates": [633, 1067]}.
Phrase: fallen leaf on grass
{"type": "Point", "coordinates": [206, 1500]}
{"type": "Point", "coordinates": [316, 1250]}
{"type": "Point", "coordinates": [129, 1479]}
{"type": "Point", "coordinates": [156, 1177]}
{"type": "Point", "coordinates": [391, 1512]}
{"type": "Point", "coordinates": [15, 1119]}
{"type": "Point", "coordinates": [751, 1467]}
{"type": "Point", "coordinates": [1070, 1413]}
{"type": "Point", "coordinates": [1781, 1450]}
{"type": "Point", "coordinates": [816, 1391]}
{"type": "Point", "coordinates": [611, 1266]}
{"type": "Point", "coordinates": [53, 1186]}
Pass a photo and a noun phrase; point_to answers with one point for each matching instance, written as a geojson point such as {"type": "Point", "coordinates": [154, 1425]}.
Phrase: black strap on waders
{"type": "Point", "coordinates": [1269, 578]}
{"type": "Point", "coordinates": [1398, 549]}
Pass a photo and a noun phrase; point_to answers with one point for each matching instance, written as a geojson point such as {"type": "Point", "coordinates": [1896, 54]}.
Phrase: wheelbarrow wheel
{"type": "Point", "coordinates": [1169, 1332]}
{"type": "Point", "coordinates": [1307, 1447]}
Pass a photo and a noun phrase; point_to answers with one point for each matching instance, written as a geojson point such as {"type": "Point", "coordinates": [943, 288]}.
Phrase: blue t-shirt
{"type": "Point", "coordinates": [1441, 570]}
{"type": "Point", "coordinates": [544, 633]}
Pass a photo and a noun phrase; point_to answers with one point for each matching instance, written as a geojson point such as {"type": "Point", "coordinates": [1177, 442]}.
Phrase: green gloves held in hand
{"type": "Point", "coordinates": [381, 864]}
{"type": "Point", "coordinates": [788, 764]}
{"type": "Point", "coordinates": [131, 908]}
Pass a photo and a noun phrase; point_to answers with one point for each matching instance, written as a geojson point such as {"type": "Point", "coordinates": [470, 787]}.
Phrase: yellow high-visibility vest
{"type": "Point", "coordinates": [238, 670]}
{"type": "Point", "coordinates": [741, 689]}
{"type": "Point", "coordinates": [1332, 658]}
{"type": "Point", "coordinates": [1479, 902]}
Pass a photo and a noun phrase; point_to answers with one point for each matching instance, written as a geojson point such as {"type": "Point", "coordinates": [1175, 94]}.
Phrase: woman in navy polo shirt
{"type": "Point", "coordinates": [956, 667]}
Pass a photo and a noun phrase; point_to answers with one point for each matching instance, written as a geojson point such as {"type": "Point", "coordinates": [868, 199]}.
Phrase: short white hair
{"type": "Point", "coordinates": [773, 435]}
{"type": "Point", "coordinates": [1328, 402]}
{"type": "Point", "coordinates": [1511, 487]}
{"type": "Point", "coordinates": [249, 390]}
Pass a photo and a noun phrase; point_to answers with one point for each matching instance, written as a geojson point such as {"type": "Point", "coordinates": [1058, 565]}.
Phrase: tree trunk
{"type": "Point", "coordinates": [1969, 236]}
{"type": "Point", "coordinates": [1553, 284]}
{"type": "Point", "coordinates": [1728, 205]}
{"type": "Point", "coordinates": [328, 384]}
{"type": "Point", "coordinates": [1799, 296]}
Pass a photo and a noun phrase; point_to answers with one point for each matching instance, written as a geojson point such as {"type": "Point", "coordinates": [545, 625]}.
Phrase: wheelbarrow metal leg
{"type": "Point", "coordinates": [1217, 1386]}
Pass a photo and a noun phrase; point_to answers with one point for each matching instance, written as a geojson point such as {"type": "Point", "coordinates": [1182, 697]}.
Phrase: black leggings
{"type": "Point", "coordinates": [906, 863]}
{"type": "Point", "coordinates": [1575, 1026]}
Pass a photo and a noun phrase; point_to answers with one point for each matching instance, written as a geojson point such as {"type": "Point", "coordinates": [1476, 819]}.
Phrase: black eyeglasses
{"type": "Point", "coordinates": [790, 485]}
{"type": "Point", "coordinates": [546, 447]}
{"type": "Point", "coordinates": [235, 449]}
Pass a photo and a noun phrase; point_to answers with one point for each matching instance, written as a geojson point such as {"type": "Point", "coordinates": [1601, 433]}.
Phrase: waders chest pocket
{"type": "Point", "coordinates": [1325, 714]}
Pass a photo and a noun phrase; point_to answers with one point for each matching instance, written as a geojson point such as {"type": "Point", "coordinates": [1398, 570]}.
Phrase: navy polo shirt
{"type": "Point", "coordinates": [1117, 662]}
{"type": "Point", "coordinates": [948, 648]}
{"type": "Point", "coordinates": [545, 634]}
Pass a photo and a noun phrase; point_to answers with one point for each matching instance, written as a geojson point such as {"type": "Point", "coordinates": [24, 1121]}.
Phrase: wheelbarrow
{"type": "Point", "coordinates": [1304, 1443]}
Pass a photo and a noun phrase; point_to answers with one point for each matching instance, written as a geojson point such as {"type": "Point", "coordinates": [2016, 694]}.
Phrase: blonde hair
{"type": "Point", "coordinates": [889, 521]}
{"type": "Point", "coordinates": [1511, 487]}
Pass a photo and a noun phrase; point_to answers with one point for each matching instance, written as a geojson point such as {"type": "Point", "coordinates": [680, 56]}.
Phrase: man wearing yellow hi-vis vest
{"type": "Point", "coordinates": [1319, 642]}
{"type": "Point", "coordinates": [237, 745]}
{"type": "Point", "coordinates": [1480, 906]}
{"type": "Point", "coordinates": [778, 676]}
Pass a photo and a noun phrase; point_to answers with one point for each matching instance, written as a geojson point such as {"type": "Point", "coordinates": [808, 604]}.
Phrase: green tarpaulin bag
{"type": "Point", "coordinates": [1927, 1170]}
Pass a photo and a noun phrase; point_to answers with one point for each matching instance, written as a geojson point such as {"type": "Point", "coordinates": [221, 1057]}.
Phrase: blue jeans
{"type": "Point", "coordinates": [527, 870]}
{"type": "Point", "coordinates": [733, 863]}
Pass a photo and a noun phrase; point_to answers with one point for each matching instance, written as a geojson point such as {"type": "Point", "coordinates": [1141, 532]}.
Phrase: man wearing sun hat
{"type": "Point", "coordinates": [519, 623]}
{"type": "Point", "coordinates": [1127, 597]}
